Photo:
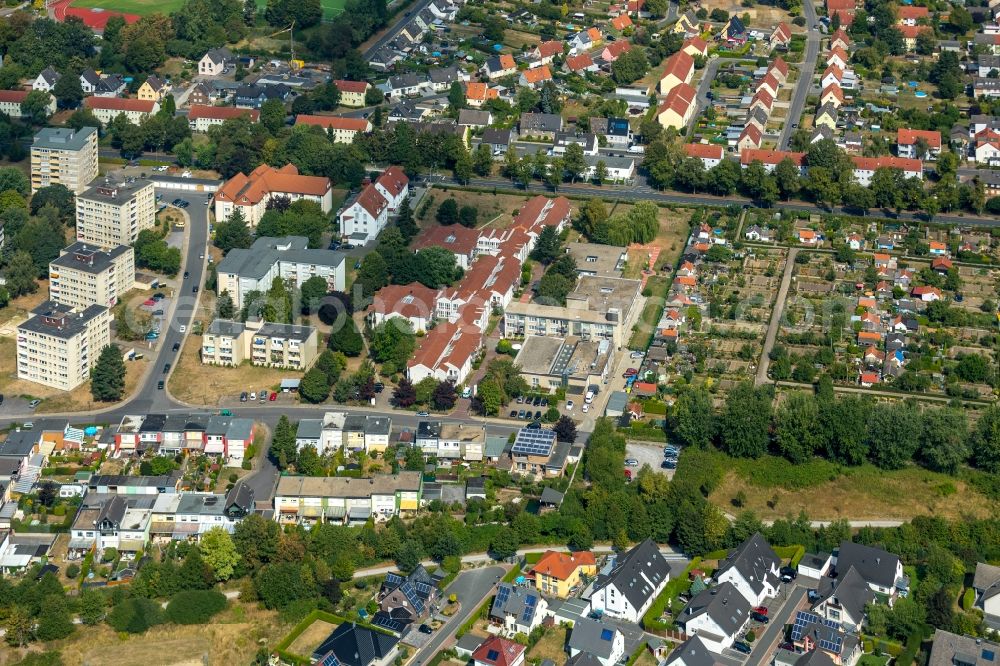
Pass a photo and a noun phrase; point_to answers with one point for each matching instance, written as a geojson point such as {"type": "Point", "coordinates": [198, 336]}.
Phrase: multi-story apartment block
{"type": "Point", "coordinates": [111, 214]}
{"type": "Point", "coordinates": [107, 109]}
{"type": "Point", "coordinates": [63, 156]}
{"type": "Point", "coordinates": [202, 116]}
{"type": "Point", "coordinates": [58, 346]}
{"type": "Point", "coordinates": [87, 275]}
{"type": "Point", "coordinates": [251, 194]}
{"type": "Point", "coordinates": [288, 258]}
{"type": "Point", "coordinates": [11, 101]}
{"type": "Point", "coordinates": [599, 308]}
{"type": "Point", "coordinates": [340, 129]}
{"type": "Point", "coordinates": [265, 344]}
{"type": "Point", "coordinates": [364, 218]}
{"type": "Point", "coordinates": [307, 499]}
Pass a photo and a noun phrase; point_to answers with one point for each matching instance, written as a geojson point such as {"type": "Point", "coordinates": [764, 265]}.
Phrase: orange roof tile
{"type": "Point", "coordinates": [119, 104]}
{"type": "Point", "coordinates": [507, 61]}
{"type": "Point", "coordinates": [537, 74]}
{"type": "Point", "coordinates": [562, 565]}
{"type": "Point", "coordinates": [908, 137]}
{"type": "Point", "coordinates": [579, 62]}
{"type": "Point", "coordinates": [680, 65]}
{"type": "Point", "coordinates": [704, 150]}
{"type": "Point", "coordinates": [265, 179]}
{"type": "Point", "coordinates": [13, 95]}
{"type": "Point", "coordinates": [334, 122]}
{"type": "Point", "coordinates": [771, 156]}
{"type": "Point", "coordinates": [550, 49]}
{"type": "Point", "coordinates": [221, 112]}
{"type": "Point", "coordinates": [621, 22]}
{"type": "Point", "coordinates": [351, 86]}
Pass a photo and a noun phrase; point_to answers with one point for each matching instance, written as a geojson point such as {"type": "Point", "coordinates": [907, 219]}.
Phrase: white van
{"type": "Point", "coordinates": [589, 397]}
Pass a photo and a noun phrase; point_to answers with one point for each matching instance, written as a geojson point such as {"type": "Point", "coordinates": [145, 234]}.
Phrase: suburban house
{"type": "Point", "coordinates": [497, 651]}
{"type": "Point", "coordinates": [882, 570]}
{"type": "Point", "coordinates": [404, 600]}
{"type": "Point", "coordinates": [341, 129]}
{"type": "Point", "coordinates": [352, 93]}
{"type": "Point", "coordinates": [811, 632]}
{"type": "Point", "coordinates": [500, 66]}
{"type": "Point", "coordinates": [604, 642]}
{"type": "Point", "coordinates": [635, 580]}
{"type": "Point", "coordinates": [557, 574]}
{"type": "Point", "coordinates": [364, 218]}
{"type": "Point", "coordinates": [865, 167]}
{"type": "Point", "coordinates": [718, 615]}
{"type": "Point", "coordinates": [678, 69]}
{"type": "Point", "coordinates": [843, 599]}
{"type": "Point", "coordinates": [201, 117]}
{"type": "Point", "coordinates": [695, 47]}
{"type": "Point", "coordinates": [710, 154]}
{"type": "Point", "coordinates": [213, 62]}
{"type": "Point", "coordinates": [986, 583]}
{"type": "Point", "coordinates": [907, 141]}
{"type": "Point", "coordinates": [753, 568]}
{"type": "Point", "coordinates": [693, 652]}
{"type": "Point", "coordinates": [517, 609]}
{"type": "Point", "coordinates": [678, 107]}
{"type": "Point", "coordinates": [307, 500]}
{"type": "Point", "coordinates": [153, 88]}
{"type": "Point", "coordinates": [353, 645]}
{"type": "Point", "coordinates": [46, 80]}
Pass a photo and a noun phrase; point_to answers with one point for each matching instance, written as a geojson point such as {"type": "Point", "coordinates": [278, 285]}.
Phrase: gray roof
{"type": "Point", "coordinates": [756, 562]}
{"type": "Point", "coordinates": [610, 161]}
{"type": "Point", "coordinates": [309, 429]}
{"type": "Point", "coordinates": [406, 80]}
{"type": "Point", "coordinates": [20, 443]}
{"type": "Point", "coordinates": [240, 429]}
{"type": "Point", "coordinates": [617, 401]}
{"type": "Point", "coordinates": [262, 255]}
{"type": "Point", "coordinates": [582, 659]}
{"type": "Point", "coordinates": [551, 496]}
{"type": "Point", "coordinates": [692, 652]}
{"type": "Point", "coordinates": [521, 602]}
{"type": "Point", "coordinates": [850, 590]}
{"type": "Point", "coordinates": [226, 328]}
{"type": "Point", "coordinates": [241, 497]}
{"type": "Point", "coordinates": [62, 138]}
{"type": "Point", "coordinates": [986, 581]}
{"type": "Point", "coordinates": [874, 564]}
{"type": "Point", "coordinates": [285, 331]}
{"type": "Point", "coordinates": [60, 321]}
{"type": "Point", "coordinates": [950, 649]}
{"type": "Point", "coordinates": [592, 636]}
{"type": "Point", "coordinates": [443, 74]}
{"type": "Point", "coordinates": [816, 657]}
{"type": "Point", "coordinates": [497, 137]}
{"type": "Point", "coordinates": [470, 642]}
{"type": "Point", "coordinates": [495, 445]}
{"type": "Point", "coordinates": [91, 77]}
{"type": "Point", "coordinates": [356, 646]}
{"type": "Point", "coordinates": [219, 55]}
{"type": "Point", "coordinates": [637, 573]}
{"type": "Point", "coordinates": [540, 122]}
{"type": "Point", "coordinates": [474, 117]}
{"type": "Point", "coordinates": [724, 604]}
{"type": "Point", "coordinates": [89, 258]}
{"type": "Point", "coordinates": [50, 75]}
{"type": "Point", "coordinates": [106, 190]}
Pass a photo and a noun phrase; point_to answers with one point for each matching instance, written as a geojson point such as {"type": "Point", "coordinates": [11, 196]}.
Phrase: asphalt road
{"type": "Point", "coordinates": [704, 86]}
{"type": "Point", "coordinates": [806, 73]}
{"type": "Point", "coordinates": [393, 31]}
{"type": "Point", "coordinates": [642, 192]}
{"type": "Point", "coordinates": [766, 643]}
{"type": "Point", "coordinates": [471, 588]}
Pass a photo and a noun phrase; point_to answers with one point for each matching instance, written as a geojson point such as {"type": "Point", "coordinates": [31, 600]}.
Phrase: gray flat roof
{"type": "Point", "coordinates": [285, 331]}
{"type": "Point", "coordinates": [262, 255]}
{"type": "Point", "coordinates": [226, 327]}
{"type": "Point", "coordinates": [62, 138]}
{"type": "Point", "coordinates": [106, 190]}
{"type": "Point", "coordinates": [60, 321]}
{"type": "Point", "coordinates": [89, 258]}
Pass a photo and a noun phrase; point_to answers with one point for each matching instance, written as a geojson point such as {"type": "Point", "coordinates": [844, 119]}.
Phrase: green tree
{"type": "Point", "coordinates": [547, 246]}
{"type": "Point", "coordinates": [315, 386]}
{"type": "Point", "coordinates": [573, 161]}
{"type": "Point", "coordinates": [195, 606]}
{"type": "Point", "coordinates": [135, 615]}
{"type": "Point", "coordinates": [490, 397]}
{"type": "Point", "coordinates": [233, 233]}
{"type": "Point", "coordinates": [68, 91]}
{"type": "Point", "coordinates": [58, 196]}
{"type": "Point", "coordinates": [797, 427]}
{"type": "Point", "coordinates": [54, 621]}
{"type": "Point", "coordinates": [482, 161]}
{"type": "Point", "coordinates": [504, 543]}
{"type": "Point", "coordinates": [373, 274]}
{"type": "Point", "coordinates": [312, 292]}
{"type": "Point", "coordinates": [283, 442]}
{"type": "Point", "coordinates": [35, 107]}
{"type": "Point", "coordinates": [224, 307]}
{"type": "Point", "coordinates": [272, 115]}
{"type": "Point", "coordinates": [21, 275]}
{"type": "Point", "coordinates": [393, 341]}
{"type": "Point", "coordinates": [456, 97]}
{"type": "Point", "coordinates": [985, 440]}
{"type": "Point", "coordinates": [107, 378]}
{"type": "Point", "coordinates": [745, 421]}
{"type": "Point", "coordinates": [565, 429]}
{"type": "Point", "coordinates": [91, 606]}
{"type": "Point", "coordinates": [219, 552]}
{"type": "Point", "coordinates": [894, 432]}
{"type": "Point", "coordinates": [447, 212]}
{"type": "Point", "coordinates": [943, 440]}
{"type": "Point", "coordinates": [692, 417]}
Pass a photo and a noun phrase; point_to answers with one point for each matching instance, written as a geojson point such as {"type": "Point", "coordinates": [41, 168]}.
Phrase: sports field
{"type": "Point", "coordinates": [138, 7]}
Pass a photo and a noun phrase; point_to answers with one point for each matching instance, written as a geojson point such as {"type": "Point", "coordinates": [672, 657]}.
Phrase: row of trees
{"type": "Point", "coordinates": [849, 430]}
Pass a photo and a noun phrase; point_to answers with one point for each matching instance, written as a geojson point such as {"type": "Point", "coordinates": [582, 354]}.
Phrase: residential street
{"type": "Point", "coordinates": [806, 72]}
{"type": "Point", "coordinates": [471, 588]}
{"type": "Point", "coordinates": [765, 645]}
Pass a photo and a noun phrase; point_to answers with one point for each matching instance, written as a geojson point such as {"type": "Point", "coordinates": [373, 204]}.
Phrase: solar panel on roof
{"type": "Point", "coordinates": [606, 634]}
{"type": "Point", "coordinates": [988, 655]}
{"type": "Point", "coordinates": [387, 622]}
{"type": "Point", "coordinates": [424, 589]}
{"type": "Point", "coordinates": [533, 442]}
{"type": "Point", "coordinates": [492, 655]}
{"type": "Point", "coordinates": [329, 660]}
{"type": "Point", "coordinates": [411, 596]}
{"type": "Point", "coordinates": [502, 595]}
{"type": "Point", "coordinates": [393, 579]}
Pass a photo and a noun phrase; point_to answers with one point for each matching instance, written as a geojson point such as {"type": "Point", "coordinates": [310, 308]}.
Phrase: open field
{"type": "Point", "coordinates": [311, 638]}
{"type": "Point", "coordinates": [854, 493]}
{"type": "Point", "coordinates": [230, 638]}
{"type": "Point", "coordinates": [495, 210]}
{"type": "Point", "coordinates": [551, 646]}
{"type": "Point", "coordinates": [139, 7]}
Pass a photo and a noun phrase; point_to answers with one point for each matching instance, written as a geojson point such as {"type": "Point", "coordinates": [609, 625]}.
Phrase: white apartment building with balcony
{"type": "Point", "coordinates": [59, 345]}
{"type": "Point", "coordinates": [63, 156]}
{"type": "Point", "coordinates": [86, 275]}
{"type": "Point", "coordinates": [265, 344]}
{"type": "Point", "coordinates": [110, 214]}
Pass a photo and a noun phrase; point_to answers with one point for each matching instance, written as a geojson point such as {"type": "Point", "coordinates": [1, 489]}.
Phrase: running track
{"type": "Point", "coordinates": [95, 19]}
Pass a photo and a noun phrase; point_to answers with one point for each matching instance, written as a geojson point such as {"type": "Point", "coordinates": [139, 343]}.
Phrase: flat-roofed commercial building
{"type": "Point", "coordinates": [266, 344]}
{"type": "Point", "coordinates": [59, 345]}
{"type": "Point", "coordinates": [63, 156]}
{"type": "Point", "coordinates": [110, 214]}
{"type": "Point", "coordinates": [549, 363]}
{"type": "Point", "coordinates": [599, 308]}
{"type": "Point", "coordinates": [309, 499]}
{"type": "Point", "coordinates": [87, 275]}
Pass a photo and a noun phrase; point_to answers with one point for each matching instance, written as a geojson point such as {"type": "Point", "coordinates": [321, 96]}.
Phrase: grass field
{"type": "Point", "coordinates": [854, 493]}
{"type": "Point", "coordinates": [140, 7]}
{"type": "Point", "coordinates": [331, 8]}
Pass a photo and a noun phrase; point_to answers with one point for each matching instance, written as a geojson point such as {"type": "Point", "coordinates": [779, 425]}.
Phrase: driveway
{"type": "Point", "coordinates": [471, 588]}
{"type": "Point", "coordinates": [783, 610]}
{"type": "Point", "coordinates": [646, 454]}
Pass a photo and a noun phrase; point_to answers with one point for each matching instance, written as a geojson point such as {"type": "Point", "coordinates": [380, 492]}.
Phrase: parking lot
{"type": "Point", "coordinates": [647, 454]}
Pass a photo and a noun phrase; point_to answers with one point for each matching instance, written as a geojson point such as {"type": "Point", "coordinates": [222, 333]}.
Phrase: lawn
{"type": "Point", "coordinates": [646, 326]}
{"type": "Point", "coordinates": [551, 646]}
{"type": "Point", "coordinates": [311, 638]}
{"type": "Point", "coordinates": [140, 7]}
{"type": "Point", "coordinates": [495, 210]}
{"type": "Point", "coordinates": [773, 488]}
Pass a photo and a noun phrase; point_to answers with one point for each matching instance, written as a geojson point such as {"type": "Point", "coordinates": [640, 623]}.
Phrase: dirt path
{"type": "Point", "coordinates": [776, 313]}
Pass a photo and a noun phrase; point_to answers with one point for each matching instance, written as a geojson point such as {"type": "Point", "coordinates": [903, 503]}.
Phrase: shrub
{"type": "Point", "coordinates": [195, 606]}
{"type": "Point", "coordinates": [110, 555]}
{"type": "Point", "coordinates": [751, 637]}
{"type": "Point", "coordinates": [72, 571]}
{"type": "Point", "coordinates": [136, 615]}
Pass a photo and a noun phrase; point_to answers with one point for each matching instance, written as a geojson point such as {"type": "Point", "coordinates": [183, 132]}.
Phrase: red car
{"type": "Point", "coordinates": [630, 372]}
{"type": "Point", "coordinates": [149, 302]}
{"type": "Point", "coordinates": [273, 396]}
{"type": "Point", "coordinates": [760, 609]}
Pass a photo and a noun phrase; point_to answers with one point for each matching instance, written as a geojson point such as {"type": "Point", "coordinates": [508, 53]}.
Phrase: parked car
{"type": "Point", "coordinates": [631, 372]}
{"type": "Point", "coordinates": [166, 368]}
{"type": "Point", "coordinates": [184, 328]}
{"type": "Point", "coordinates": [740, 646]}
{"type": "Point", "coordinates": [423, 413]}
{"type": "Point", "coordinates": [253, 395]}
{"type": "Point", "coordinates": [272, 397]}
{"type": "Point", "coordinates": [637, 354]}
{"type": "Point", "coordinates": [194, 289]}
{"type": "Point", "coordinates": [586, 408]}
{"type": "Point", "coordinates": [159, 385]}
{"type": "Point", "coordinates": [760, 609]}
{"type": "Point", "coordinates": [177, 346]}
{"type": "Point", "coordinates": [513, 413]}
{"type": "Point", "coordinates": [757, 617]}
{"type": "Point", "coordinates": [1, 398]}
{"type": "Point", "coordinates": [158, 313]}
{"type": "Point", "coordinates": [631, 462]}
{"type": "Point", "coordinates": [520, 414]}
{"type": "Point", "coordinates": [424, 629]}
{"type": "Point", "coordinates": [668, 464]}
{"type": "Point", "coordinates": [379, 387]}
{"type": "Point", "coordinates": [788, 574]}
{"type": "Point", "coordinates": [186, 274]}
{"type": "Point", "coordinates": [32, 405]}
{"type": "Point", "coordinates": [538, 414]}
{"type": "Point", "coordinates": [569, 405]}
